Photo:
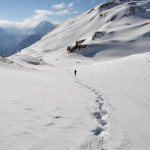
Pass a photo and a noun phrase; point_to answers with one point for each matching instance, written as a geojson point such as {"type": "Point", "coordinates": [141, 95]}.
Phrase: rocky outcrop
{"type": "Point", "coordinates": [78, 45]}
{"type": "Point", "coordinates": [98, 35]}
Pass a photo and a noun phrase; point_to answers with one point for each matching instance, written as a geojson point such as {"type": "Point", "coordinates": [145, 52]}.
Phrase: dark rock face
{"type": "Point", "coordinates": [98, 35]}
{"type": "Point", "coordinates": [71, 49]}
{"type": "Point", "coordinates": [78, 45]}
{"type": "Point", "coordinates": [108, 5]}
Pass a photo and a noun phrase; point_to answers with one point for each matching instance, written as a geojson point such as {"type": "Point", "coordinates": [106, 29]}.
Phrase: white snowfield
{"type": "Point", "coordinates": [42, 109]}
{"type": "Point", "coordinates": [106, 106]}
{"type": "Point", "coordinates": [44, 106]}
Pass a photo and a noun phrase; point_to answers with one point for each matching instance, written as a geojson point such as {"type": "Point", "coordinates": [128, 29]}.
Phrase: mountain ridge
{"type": "Point", "coordinates": [112, 29]}
{"type": "Point", "coordinates": [15, 39]}
{"type": "Point", "coordinates": [35, 34]}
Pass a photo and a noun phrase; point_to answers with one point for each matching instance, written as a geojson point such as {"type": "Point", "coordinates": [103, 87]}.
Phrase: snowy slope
{"type": "Point", "coordinates": [43, 106]}
{"type": "Point", "coordinates": [125, 84]}
{"type": "Point", "coordinates": [112, 29]}
{"type": "Point", "coordinates": [45, 109]}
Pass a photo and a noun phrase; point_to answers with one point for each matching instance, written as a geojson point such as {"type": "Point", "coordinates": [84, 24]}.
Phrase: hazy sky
{"type": "Point", "coordinates": [29, 12]}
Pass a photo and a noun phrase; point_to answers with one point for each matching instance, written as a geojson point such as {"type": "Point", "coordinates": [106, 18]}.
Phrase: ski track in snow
{"type": "Point", "coordinates": [99, 142]}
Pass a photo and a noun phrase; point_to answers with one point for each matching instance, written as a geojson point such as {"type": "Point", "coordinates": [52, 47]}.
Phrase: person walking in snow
{"type": "Point", "coordinates": [75, 72]}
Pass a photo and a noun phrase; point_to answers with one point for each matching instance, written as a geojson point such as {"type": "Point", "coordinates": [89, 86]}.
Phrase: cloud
{"type": "Point", "coordinates": [59, 6]}
{"type": "Point", "coordinates": [39, 16]}
{"type": "Point", "coordinates": [65, 12]}
{"type": "Point", "coordinates": [70, 5]}
{"type": "Point", "coordinates": [63, 6]}
{"type": "Point", "coordinates": [45, 13]}
{"type": "Point", "coordinates": [5, 23]}
{"type": "Point", "coordinates": [42, 13]}
{"type": "Point", "coordinates": [30, 22]}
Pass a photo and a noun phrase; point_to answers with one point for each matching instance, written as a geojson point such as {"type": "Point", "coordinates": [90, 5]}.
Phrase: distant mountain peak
{"type": "Point", "coordinates": [16, 39]}
{"type": "Point", "coordinates": [43, 28]}
{"type": "Point", "coordinates": [44, 22]}
{"type": "Point", "coordinates": [36, 34]}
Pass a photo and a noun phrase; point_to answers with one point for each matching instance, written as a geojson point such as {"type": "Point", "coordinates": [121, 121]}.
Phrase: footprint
{"type": "Point", "coordinates": [103, 122]}
{"type": "Point", "coordinates": [56, 117]}
{"type": "Point", "coordinates": [103, 112]}
{"type": "Point", "coordinates": [97, 115]}
{"type": "Point", "coordinates": [101, 116]}
{"type": "Point", "coordinates": [98, 131]}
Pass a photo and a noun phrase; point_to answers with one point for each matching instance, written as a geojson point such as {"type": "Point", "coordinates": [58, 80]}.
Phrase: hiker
{"type": "Point", "coordinates": [75, 72]}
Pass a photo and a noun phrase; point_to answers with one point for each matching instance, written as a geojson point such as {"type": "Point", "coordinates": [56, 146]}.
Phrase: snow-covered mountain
{"type": "Point", "coordinates": [35, 34]}
{"type": "Point", "coordinates": [8, 41]}
{"type": "Point", "coordinates": [43, 28]}
{"type": "Point", "coordinates": [15, 39]}
{"type": "Point", "coordinates": [113, 29]}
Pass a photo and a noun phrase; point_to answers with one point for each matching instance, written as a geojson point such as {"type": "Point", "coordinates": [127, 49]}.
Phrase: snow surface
{"type": "Point", "coordinates": [45, 107]}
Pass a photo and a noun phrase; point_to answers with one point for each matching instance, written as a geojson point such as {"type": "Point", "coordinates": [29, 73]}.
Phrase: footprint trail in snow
{"type": "Point", "coordinates": [100, 114]}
